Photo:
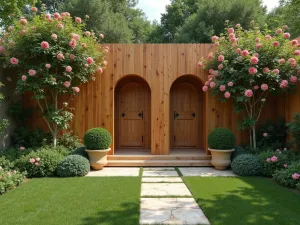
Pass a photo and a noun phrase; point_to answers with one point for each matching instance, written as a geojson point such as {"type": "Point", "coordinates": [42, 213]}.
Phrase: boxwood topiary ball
{"type": "Point", "coordinates": [221, 138]}
{"type": "Point", "coordinates": [246, 165]}
{"type": "Point", "coordinates": [97, 138]}
{"type": "Point", "coordinates": [73, 166]}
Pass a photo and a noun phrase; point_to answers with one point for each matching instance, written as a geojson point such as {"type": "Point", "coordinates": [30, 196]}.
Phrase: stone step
{"type": "Point", "coordinates": [159, 163]}
{"type": "Point", "coordinates": [159, 157]}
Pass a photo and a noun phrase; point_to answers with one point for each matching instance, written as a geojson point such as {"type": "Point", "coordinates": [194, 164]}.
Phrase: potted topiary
{"type": "Point", "coordinates": [97, 142]}
{"type": "Point", "coordinates": [221, 142]}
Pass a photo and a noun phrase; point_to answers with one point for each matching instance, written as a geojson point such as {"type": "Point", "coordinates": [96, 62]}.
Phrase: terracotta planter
{"type": "Point", "coordinates": [98, 158]}
{"type": "Point", "coordinates": [220, 158]}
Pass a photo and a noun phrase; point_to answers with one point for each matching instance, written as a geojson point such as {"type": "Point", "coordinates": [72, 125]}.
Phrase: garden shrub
{"type": "Point", "coordinates": [246, 165]}
{"type": "Point", "coordinates": [294, 129]}
{"type": "Point", "coordinates": [285, 176]}
{"type": "Point", "coordinates": [73, 166]}
{"type": "Point", "coordinates": [13, 154]}
{"type": "Point", "coordinates": [80, 151]}
{"type": "Point", "coordinates": [298, 185]}
{"type": "Point", "coordinates": [42, 163]}
{"type": "Point", "coordinates": [97, 138]}
{"type": "Point", "coordinates": [272, 161]}
{"type": "Point", "coordinates": [221, 138]}
{"type": "Point", "coordinates": [69, 141]}
{"type": "Point", "coordinates": [238, 150]}
{"type": "Point", "coordinates": [10, 179]}
{"type": "Point", "coordinates": [5, 163]}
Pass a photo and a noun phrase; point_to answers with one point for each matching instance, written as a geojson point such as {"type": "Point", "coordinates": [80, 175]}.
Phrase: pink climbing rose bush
{"type": "Point", "coordinates": [53, 54]}
{"type": "Point", "coordinates": [250, 65]}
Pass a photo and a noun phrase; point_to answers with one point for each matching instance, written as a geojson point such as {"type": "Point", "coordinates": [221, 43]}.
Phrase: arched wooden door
{"type": "Point", "coordinates": [133, 109]}
{"type": "Point", "coordinates": [184, 116]}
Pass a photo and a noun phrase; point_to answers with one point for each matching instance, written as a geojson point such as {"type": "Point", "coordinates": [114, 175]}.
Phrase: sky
{"type": "Point", "coordinates": [154, 8]}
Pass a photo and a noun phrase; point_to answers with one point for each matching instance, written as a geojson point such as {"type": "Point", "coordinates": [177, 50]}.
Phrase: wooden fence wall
{"type": "Point", "coordinates": [160, 65]}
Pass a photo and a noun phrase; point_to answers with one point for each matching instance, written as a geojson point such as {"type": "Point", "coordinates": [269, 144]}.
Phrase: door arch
{"type": "Point", "coordinates": [132, 114]}
{"type": "Point", "coordinates": [187, 114]}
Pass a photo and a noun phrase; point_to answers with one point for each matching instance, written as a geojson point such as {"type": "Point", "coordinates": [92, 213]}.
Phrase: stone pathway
{"type": "Point", "coordinates": [165, 199]}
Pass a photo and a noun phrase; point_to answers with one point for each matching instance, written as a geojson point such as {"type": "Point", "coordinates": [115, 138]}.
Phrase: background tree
{"type": "Point", "coordinates": [291, 15]}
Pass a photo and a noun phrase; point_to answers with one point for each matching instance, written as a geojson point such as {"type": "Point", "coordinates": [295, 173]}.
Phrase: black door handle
{"type": "Point", "coordinates": [175, 115]}
{"type": "Point", "coordinates": [141, 114]}
{"type": "Point", "coordinates": [123, 114]}
{"type": "Point", "coordinates": [193, 114]}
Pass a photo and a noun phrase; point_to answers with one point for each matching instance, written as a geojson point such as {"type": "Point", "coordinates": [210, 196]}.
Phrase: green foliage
{"type": "Point", "coordinates": [246, 165]}
{"type": "Point", "coordinates": [238, 150]}
{"type": "Point", "coordinates": [221, 138]}
{"type": "Point", "coordinates": [290, 14]}
{"type": "Point", "coordinates": [97, 138]}
{"type": "Point", "coordinates": [30, 139]}
{"type": "Point", "coordinates": [41, 163]}
{"type": "Point", "coordinates": [69, 141]}
{"type": "Point", "coordinates": [3, 122]}
{"type": "Point", "coordinates": [12, 154]}
{"type": "Point", "coordinates": [298, 186]}
{"type": "Point", "coordinates": [269, 166]}
{"type": "Point", "coordinates": [80, 151]}
{"type": "Point", "coordinates": [5, 163]}
{"type": "Point", "coordinates": [276, 134]}
{"type": "Point", "coordinates": [294, 130]}
{"type": "Point", "coordinates": [73, 166]}
{"type": "Point", "coordinates": [10, 179]}
{"type": "Point", "coordinates": [284, 176]}
{"type": "Point", "coordinates": [19, 113]}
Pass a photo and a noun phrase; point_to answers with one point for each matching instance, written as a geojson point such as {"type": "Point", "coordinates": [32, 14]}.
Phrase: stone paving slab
{"type": "Point", "coordinates": [159, 169]}
{"type": "Point", "coordinates": [205, 172]}
{"type": "Point", "coordinates": [162, 179]}
{"type": "Point", "coordinates": [160, 174]}
{"type": "Point", "coordinates": [115, 172]}
{"type": "Point", "coordinates": [165, 189]}
{"type": "Point", "coordinates": [171, 211]}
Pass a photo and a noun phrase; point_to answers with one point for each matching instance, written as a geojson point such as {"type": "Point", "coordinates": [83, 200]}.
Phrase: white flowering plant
{"type": "Point", "coordinates": [248, 65]}
{"type": "Point", "coordinates": [53, 54]}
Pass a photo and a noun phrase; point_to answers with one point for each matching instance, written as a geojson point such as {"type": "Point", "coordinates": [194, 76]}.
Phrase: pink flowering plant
{"type": "Point", "coordinates": [248, 66]}
{"type": "Point", "coordinates": [54, 54]}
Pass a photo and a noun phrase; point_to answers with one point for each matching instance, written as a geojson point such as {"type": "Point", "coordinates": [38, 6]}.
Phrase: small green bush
{"type": "Point", "coordinates": [13, 154]}
{"type": "Point", "coordinates": [284, 176]}
{"type": "Point", "coordinates": [10, 179]}
{"type": "Point", "coordinates": [221, 138]}
{"type": "Point", "coordinates": [246, 165]}
{"type": "Point", "coordinates": [5, 163]}
{"type": "Point", "coordinates": [238, 150]}
{"type": "Point", "coordinates": [69, 141]}
{"type": "Point", "coordinates": [41, 163]}
{"type": "Point", "coordinates": [73, 166]}
{"type": "Point", "coordinates": [294, 129]}
{"type": "Point", "coordinates": [97, 138]}
{"type": "Point", "coordinates": [270, 165]}
{"type": "Point", "coordinates": [80, 151]}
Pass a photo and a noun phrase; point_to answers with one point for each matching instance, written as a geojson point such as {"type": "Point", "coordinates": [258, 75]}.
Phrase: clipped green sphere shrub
{"type": "Point", "coordinates": [246, 165]}
{"type": "Point", "coordinates": [284, 175]}
{"type": "Point", "coordinates": [80, 151]}
{"type": "Point", "coordinates": [73, 166]}
{"type": "Point", "coordinates": [97, 138]}
{"type": "Point", "coordinates": [221, 138]}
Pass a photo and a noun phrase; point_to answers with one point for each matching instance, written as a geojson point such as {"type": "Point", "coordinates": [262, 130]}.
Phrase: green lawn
{"type": "Point", "coordinates": [245, 201]}
{"type": "Point", "coordinates": [63, 201]}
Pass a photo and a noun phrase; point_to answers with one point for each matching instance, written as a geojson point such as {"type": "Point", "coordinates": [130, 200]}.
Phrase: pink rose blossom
{"type": "Point", "coordinates": [86, 65]}
{"type": "Point", "coordinates": [89, 60]}
{"type": "Point", "coordinates": [220, 67]}
{"type": "Point", "coordinates": [23, 21]}
{"type": "Point", "coordinates": [256, 87]}
{"type": "Point", "coordinates": [32, 160]}
{"type": "Point", "coordinates": [232, 40]}
{"type": "Point", "coordinates": [60, 56]}
{"type": "Point", "coordinates": [76, 89]}
{"type": "Point", "coordinates": [282, 61]}
{"type": "Point", "coordinates": [48, 16]}
{"type": "Point", "coordinates": [101, 36]}
{"type": "Point", "coordinates": [268, 37]}
{"type": "Point", "coordinates": [207, 83]}
{"type": "Point", "coordinates": [238, 25]}
{"type": "Point", "coordinates": [266, 70]}
{"type": "Point", "coordinates": [215, 45]}
{"type": "Point", "coordinates": [254, 60]}
{"type": "Point", "coordinates": [210, 71]}
{"type": "Point", "coordinates": [73, 43]}
{"type": "Point", "coordinates": [258, 46]}
{"type": "Point", "coordinates": [214, 38]}
{"type": "Point", "coordinates": [284, 84]}
{"type": "Point", "coordinates": [72, 56]}
{"type": "Point", "coordinates": [14, 61]}
{"type": "Point", "coordinates": [99, 69]}
{"type": "Point", "coordinates": [285, 27]}
{"type": "Point", "coordinates": [230, 84]}
{"type": "Point", "coordinates": [205, 88]}
{"type": "Point", "coordinates": [68, 69]}
{"type": "Point", "coordinates": [264, 87]}
{"type": "Point", "coordinates": [276, 44]}
{"type": "Point", "coordinates": [245, 53]}
{"type": "Point", "coordinates": [285, 166]}
{"type": "Point", "coordinates": [238, 51]}
{"type": "Point", "coordinates": [232, 35]}
{"type": "Point", "coordinates": [14, 171]}
{"type": "Point", "coordinates": [53, 79]}
{"type": "Point", "coordinates": [22, 148]}
{"type": "Point", "coordinates": [222, 88]}
{"type": "Point", "coordinates": [37, 159]}
{"type": "Point", "coordinates": [60, 26]}
{"type": "Point", "coordinates": [2, 49]}
{"type": "Point", "coordinates": [10, 28]}
{"type": "Point", "coordinates": [248, 93]}
{"type": "Point", "coordinates": [265, 134]}
{"type": "Point", "coordinates": [48, 66]}
{"type": "Point", "coordinates": [263, 99]}
{"type": "Point", "coordinates": [87, 33]}
{"type": "Point", "coordinates": [210, 56]}
{"type": "Point", "coordinates": [293, 79]}
{"type": "Point", "coordinates": [83, 45]}
{"type": "Point", "coordinates": [56, 15]}
{"type": "Point", "coordinates": [297, 52]}
{"type": "Point", "coordinates": [75, 36]}
{"type": "Point", "coordinates": [257, 40]}
{"type": "Point", "coordinates": [67, 84]}
{"type": "Point", "coordinates": [227, 94]}
{"type": "Point", "coordinates": [279, 31]}
{"type": "Point", "coordinates": [54, 37]}
{"type": "Point", "coordinates": [252, 70]}
{"type": "Point", "coordinates": [199, 64]}
{"type": "Point", "coordinates": [37, 164]}
{"type": "Point", "coordinates": [77, 19]}
{"type": "Point", "coordinates": [274, 158]}
{"type": "Point", "coordinates": [230, 30]}
{"type": "Point", "coordinates": [276, 71]}
{"type": "Point", "coordinates": [45, 45]}
{"type": "Point", "coordinates": [22, 32]}
{"type": "Point", "coordinates": [32, 72]}
{"type": "Point", "coordinates": [294, 42]}
{"type": "Point", "coordinates": [286, 35]}
{"type": "Point", "coordinates": [24, 78]}
{"type": "Point", "coordinates": [212, 84]}
{"type": "Point", "coordinates": [268, 159]}
{"type": "Point", "coordinates": [220, 58]}
{"type": "Point", "coordinates": [296, 176]}
{"type": "Point", "coordinates": [34, 9]}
